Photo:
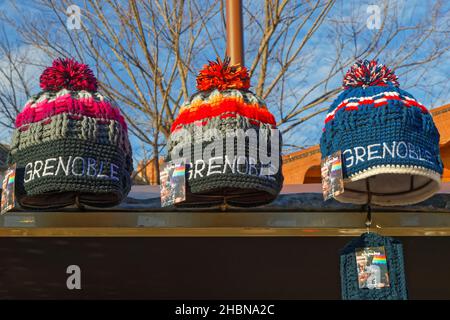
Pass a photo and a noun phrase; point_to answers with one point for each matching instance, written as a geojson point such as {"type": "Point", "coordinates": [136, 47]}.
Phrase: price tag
{"type": "Point", "coordinates": [8, 201]}
{"type": "Point", "coordinates": [332, 177]}
{"type": "Point", "coordinates": [173, 183]}
{"type": "Point", "coordinates": [372, 268]}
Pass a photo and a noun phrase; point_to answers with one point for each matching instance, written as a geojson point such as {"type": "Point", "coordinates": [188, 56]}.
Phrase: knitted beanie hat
{"type": "Point", "coordinates": [388, 140]}
{"type": "Point", "coordinates": [70, 143]}
{"type": "Point", "coordinates": [393, 261]}
{"type": "Point", "coordinates": [245, 166]}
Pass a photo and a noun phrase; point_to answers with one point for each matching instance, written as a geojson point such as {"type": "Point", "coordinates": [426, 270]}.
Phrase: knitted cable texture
{"type": "Point", "coordinates": [376, 126]}
{"type": "Point", "coordinates": [70, 140]}
{"type": "Point", "coordinates": [64, 126]}
{"type": "Point", "coordinates": [349, 271]}
{"type": "Point", "coordinates": [225, 106]}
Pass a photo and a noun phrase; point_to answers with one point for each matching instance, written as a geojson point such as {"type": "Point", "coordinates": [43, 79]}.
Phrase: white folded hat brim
{"type": "Point", "coordinates": [390, 186]}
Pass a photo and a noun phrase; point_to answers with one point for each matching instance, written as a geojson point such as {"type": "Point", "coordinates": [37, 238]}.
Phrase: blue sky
{"type": "Point", "coordinates": [319, 56]}
{"type": "Point", "coordinates": [411, 12]}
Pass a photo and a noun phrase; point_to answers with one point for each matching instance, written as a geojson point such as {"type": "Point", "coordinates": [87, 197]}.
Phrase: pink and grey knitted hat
{"type": "Point", "coordinates": [70, 143]}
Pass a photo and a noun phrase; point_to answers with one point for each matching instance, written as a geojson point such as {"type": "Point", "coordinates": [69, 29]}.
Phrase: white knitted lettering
{"type": "Point", "coordinates": [372, 151]}
{"type": "Point", "coordinates": [28, 172]}
{"type": "Point", "coordinates": [225, 165]}
{"type": "Point", "coordinates": [47, 167]}
{"type": "Point", "coordinates": [77, 166]}
{"type": "Point", "coordinates": [396, 149]}
{"type": "Point", "coordinates": [74, 166]}
{"type": "Point", "coordinates": [61, 165]}
{"type": "Point", "coordinates": [37, 168]}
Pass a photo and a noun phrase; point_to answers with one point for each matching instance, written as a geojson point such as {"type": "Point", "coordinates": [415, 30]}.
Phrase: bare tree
{"type": "Point", "coordinates": [147, 53]}
{"type": "Point", "coordinates": [299, 50]}
{"type": "Point", "coordinates": [15, 86]}
{"type": "Point", "coordinates": [143, 54]}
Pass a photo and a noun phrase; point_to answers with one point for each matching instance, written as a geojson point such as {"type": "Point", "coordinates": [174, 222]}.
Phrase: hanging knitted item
{"type": "Point", "coordinates": [372, 269]}
{"type": "Point", "coordinates": [228, 139]}
{"type": "Point", "coordinates": [383, 134]}
{"type": "Point", "coordinates": [70, 144]}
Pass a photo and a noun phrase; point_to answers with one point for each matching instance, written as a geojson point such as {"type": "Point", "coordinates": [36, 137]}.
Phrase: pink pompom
{"type": "Point", "coordinates": [68, 74]}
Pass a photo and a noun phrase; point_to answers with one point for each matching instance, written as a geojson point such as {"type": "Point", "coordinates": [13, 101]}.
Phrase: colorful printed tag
{"type": "Point", "coordinates": [372, 268]}
{"type": "Point", "coordinates": [173, 183]}
{"type": "Point", "coordinates": [332, 177]}
{"type": "Point", "coordinates": [8, 201]}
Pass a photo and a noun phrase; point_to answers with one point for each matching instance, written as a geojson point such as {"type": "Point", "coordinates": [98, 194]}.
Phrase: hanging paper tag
{"type": "Point", "coordinates": [372, 268]}
{"type": "Point", "coordinates": [332, 177]}
{"type": "Point", "coordinates": [173, 183]}
{"type": "Point", "coordinates": [8, 190]}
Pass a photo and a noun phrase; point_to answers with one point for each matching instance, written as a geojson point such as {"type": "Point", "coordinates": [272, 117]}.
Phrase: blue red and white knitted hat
{"type": "Point", "coordinates": [388, 140]}
{"type": "Point", "coordinates": [70, 142]}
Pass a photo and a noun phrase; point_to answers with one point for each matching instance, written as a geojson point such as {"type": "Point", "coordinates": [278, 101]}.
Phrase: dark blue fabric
{"type": "Point", "coordinates": [370, 125]}
{"type": "Point", "coordinates": [349, 271]}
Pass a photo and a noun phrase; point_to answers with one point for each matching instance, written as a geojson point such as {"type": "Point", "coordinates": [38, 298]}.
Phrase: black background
{"type": "Point", "coordinates": [203, 268]}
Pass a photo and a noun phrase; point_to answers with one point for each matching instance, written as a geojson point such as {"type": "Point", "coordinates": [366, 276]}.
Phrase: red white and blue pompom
{"type": "Point", "coordinates": [68, 74]}
{"type": "Point", "coordinates": [369, 73]}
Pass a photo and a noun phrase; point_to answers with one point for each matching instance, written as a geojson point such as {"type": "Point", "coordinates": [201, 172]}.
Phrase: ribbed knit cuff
{"type": "Point", "coordinates": [89, 169]}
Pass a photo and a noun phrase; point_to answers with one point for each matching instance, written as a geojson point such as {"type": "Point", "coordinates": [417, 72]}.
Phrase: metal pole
{"type": "Point", "coordinates": [234, 31]}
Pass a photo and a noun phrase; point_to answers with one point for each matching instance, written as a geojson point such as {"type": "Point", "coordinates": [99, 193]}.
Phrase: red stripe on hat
{"type": "Point", "coordinates": [380, 104]}
{"type": "Point", "coordinates": [227, 107]}
{"type": "Point", "coordinates": [366, 101]}
{"type": "Point", "coordinates": [408, 102]}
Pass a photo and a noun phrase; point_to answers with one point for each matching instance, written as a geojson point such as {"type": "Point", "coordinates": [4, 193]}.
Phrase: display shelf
{"type": "Point", "coordinates": [88, 224]}
{"type": "Point", "coordinates": [298, 211]}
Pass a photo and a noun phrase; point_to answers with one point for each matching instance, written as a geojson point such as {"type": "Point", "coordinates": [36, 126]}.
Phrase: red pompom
{"type": "Point", "coordinates": [369, 73]}
{"type": "Point", "coordinates": [220, 75]}
{"type": "Point", "coordinates": [68, 74]}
